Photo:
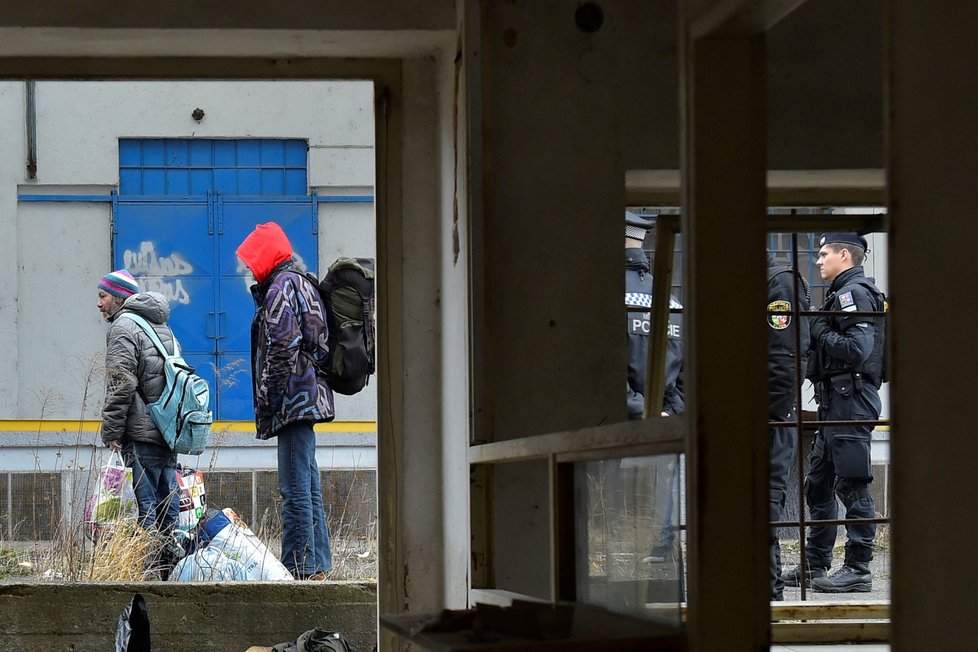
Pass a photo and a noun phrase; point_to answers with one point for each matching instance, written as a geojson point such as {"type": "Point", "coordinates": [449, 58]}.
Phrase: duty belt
{"type": "Point", "coordinates": [824, 386]}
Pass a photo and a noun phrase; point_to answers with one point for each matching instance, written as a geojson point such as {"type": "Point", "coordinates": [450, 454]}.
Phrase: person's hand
{"type": "Point", "coordinates": [819, 326]}
{"type": "Point", "coordinates": [664, 414]}
{"type": "Point", "coordinates": [115, 446]}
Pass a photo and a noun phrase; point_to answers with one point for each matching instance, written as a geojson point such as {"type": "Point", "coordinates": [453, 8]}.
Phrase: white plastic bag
{"type": "Point", "coordinates": [113, 499]}
{"type": "Point", "coordinates": [208, 565]}
{"type": "Point", "coordinates": [229, 534]}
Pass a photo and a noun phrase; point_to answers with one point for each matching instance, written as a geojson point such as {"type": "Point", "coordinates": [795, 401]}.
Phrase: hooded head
{"type": "Point", "coordinates": [265, 248]}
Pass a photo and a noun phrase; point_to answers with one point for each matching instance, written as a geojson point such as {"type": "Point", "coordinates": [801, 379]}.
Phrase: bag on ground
{"type": "Point", "coordinates": [193, 498]}
{"type": "Point", "coordinates": [226, 532]}
{"type": "Point", "coordinates": [316, 640]}
{"type": "Point", "coordinates": [182, 412]}
{"type": "Point", "coordinates": [348, 292]}
{"type": "Point", "coordinates": [113, 499]}
{"type": "Point", "coordinates": [208, 565]}
{"type": "Point", "coordinates": [132, 628]}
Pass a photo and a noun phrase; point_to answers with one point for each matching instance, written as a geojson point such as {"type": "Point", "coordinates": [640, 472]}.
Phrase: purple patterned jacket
{"type": "Point", "coordinates": [288, 336]}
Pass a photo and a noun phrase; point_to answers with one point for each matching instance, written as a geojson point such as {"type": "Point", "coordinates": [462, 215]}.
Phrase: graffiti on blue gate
{"type": "Point", "coordinates": [157, 273]}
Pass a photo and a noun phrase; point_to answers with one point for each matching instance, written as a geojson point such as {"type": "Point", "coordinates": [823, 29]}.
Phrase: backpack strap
{"type": "Point", "coordinates": [151, 333]}
{"type": "Point", "coordinates": [877, 293]}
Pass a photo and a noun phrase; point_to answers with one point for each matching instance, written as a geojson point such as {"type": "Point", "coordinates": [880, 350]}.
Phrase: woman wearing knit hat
{"type": "Point", "coordinates": [134, 377]}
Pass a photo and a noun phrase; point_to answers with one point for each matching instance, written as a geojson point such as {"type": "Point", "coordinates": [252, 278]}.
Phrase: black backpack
{"type": "Point", "coordinates": [877, 365]}
{"type": "Point", "coordinates": [348, 293]}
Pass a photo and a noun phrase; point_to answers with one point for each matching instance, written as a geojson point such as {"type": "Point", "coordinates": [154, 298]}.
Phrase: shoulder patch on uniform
{"type": "Point", "coordinates": [778, 322]}
{"type": "Point", "coordinates": [846, 301]}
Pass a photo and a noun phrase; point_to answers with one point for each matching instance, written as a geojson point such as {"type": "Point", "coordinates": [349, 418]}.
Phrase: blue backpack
{"type": "Point", "coordinates": [182, 412]}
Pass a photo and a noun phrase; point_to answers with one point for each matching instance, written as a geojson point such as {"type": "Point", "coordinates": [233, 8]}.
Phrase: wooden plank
{"type": "Point", "coordinates": [856, 187]}
{"type": "Point", "coordinates": [830, 632]}
{"type": "Point", "coordinates": [481, 524]}
{"type": "Point", "coordinates": [723, 199]}
{"type": "Point", "coordinates": [835, 610]}
{"type": "Point", "coordinates": [592, 629]}
{"type": "Point", "coordinates": [652, 436]}
{"type": "Point", "coordinates": [666, 227]}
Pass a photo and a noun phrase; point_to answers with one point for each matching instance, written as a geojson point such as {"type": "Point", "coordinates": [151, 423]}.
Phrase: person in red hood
{"type": "Point", "coordinates": [288, 342]}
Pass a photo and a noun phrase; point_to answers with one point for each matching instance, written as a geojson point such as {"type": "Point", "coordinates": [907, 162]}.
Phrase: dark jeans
{"type": "Point", "coordinates": [305, 535]}
{"type": "Point", "coordinates": [782, 452]}
{"type": "Point", "coordinates": [841, 467]}
{"type": "Point", "coordinates": [154, 478]}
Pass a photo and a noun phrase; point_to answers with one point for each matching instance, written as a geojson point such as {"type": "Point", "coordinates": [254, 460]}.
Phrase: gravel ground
{"type": "Point", "coordinates": [881, 580]}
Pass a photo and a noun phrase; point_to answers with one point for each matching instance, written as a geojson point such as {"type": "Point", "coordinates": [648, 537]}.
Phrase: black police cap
{"type": "Point", "coordinates": [843, 238]}
{"type": "Point", "coordinates": [634, 219]}
{"type": "Point", "coordinates": [636, 226]}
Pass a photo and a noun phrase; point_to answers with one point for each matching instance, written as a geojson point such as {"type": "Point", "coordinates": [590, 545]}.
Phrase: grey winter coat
{"type": "Point", "coordinates": [132, 363]}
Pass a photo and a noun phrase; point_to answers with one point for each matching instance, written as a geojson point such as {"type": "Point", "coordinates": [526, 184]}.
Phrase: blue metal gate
{"type": "Point", "coordinates": [182, 209]}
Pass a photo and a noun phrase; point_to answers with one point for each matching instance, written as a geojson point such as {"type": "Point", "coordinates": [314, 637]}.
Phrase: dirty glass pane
{"type": "Point", "coordinates": [629, 519]}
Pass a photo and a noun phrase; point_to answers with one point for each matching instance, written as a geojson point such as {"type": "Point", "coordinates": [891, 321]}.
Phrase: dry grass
{"type": "Point", "coordinates": [122, 552]}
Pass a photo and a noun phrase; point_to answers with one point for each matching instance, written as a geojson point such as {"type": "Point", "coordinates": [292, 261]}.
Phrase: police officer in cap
{"type": "Point", "coordinates": [846, 366]}
{"type": "Point", "coordinates": [638, 296]}
{"type": "Point", "coordinates": [785, 288]}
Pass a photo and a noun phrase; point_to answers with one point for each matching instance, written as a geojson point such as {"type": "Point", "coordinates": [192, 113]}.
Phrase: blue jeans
{"type": "Point", "coordinates": [305, 536]}
{"type": "Point", "coordinates": [667, 500]}
{"type": "Point", "coordinates": [154, 479]}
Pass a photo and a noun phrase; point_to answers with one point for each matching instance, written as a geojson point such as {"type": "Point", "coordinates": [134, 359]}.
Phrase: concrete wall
{"type": "Point", "coordinates": [225, 617]}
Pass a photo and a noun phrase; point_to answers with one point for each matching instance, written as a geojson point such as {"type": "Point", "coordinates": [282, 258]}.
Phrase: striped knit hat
{"type": "Point", "coordinates": [119, 283]}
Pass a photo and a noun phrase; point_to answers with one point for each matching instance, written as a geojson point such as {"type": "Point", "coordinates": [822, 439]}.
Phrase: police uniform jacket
{"type": "Point", "coordinates": [782, 347]}
{"type": "Point", "coordinates": [844, 344]}
{"type": "Point", "coordinates": [638, 295]}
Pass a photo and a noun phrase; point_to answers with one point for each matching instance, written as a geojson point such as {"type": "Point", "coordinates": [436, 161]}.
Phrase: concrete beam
{"type": "Point", "coordinates": [185, 616]}
{"type": "Point", "coordinates": [738, 17]}
{"type": "Point", "coordinates": [861, 187]}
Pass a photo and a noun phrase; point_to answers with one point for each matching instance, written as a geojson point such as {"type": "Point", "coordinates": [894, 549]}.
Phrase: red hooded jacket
{"type": "Point", "coordinates": [264, 248]}
{"type": "Point", "coordinates": [288, 336]}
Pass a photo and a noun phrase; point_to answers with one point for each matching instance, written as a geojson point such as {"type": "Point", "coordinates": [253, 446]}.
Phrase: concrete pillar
{"type": "Point", "coordinates": [724, 200]}
{"type": "Point", "coordinates": [932, 200]}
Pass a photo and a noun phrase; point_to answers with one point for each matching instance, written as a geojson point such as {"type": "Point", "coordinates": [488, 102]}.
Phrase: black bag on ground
{"type": "Point", "coordinates": [316, 640]}
{"type": "Point", "coordinates": [348, 290]}
{"type": "Point", "coordinates": [132, 628]}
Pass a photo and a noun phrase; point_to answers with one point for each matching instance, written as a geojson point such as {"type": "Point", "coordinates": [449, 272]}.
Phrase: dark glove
{"type": "Point", "coordinates": [819, 326]}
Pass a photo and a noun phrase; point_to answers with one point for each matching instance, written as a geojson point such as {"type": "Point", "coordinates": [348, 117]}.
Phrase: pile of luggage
{"type": "Point", "coordinates": [211, 545]}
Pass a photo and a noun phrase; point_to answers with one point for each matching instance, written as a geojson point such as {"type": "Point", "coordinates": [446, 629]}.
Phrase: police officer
{"type": "Point", "coordinates": [638, 295]}
{"type": "Point", "coordinates": [846, 365]}
{"type": "Point", "coordinates": [785, 288]}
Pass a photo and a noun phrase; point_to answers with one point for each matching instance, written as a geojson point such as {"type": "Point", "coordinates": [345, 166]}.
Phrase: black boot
{"type": "Point", "coordinates": [852, 577]}
{"type": "Point", "coordinates": [793, 576]}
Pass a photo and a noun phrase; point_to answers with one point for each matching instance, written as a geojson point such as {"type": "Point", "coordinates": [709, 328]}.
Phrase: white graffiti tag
{"type": "Point", "coordinates": [156, 273]}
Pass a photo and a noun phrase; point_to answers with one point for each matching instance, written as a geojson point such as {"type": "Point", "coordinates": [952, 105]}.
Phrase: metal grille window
{"type": "Point", "coordinates": [198, 166]}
